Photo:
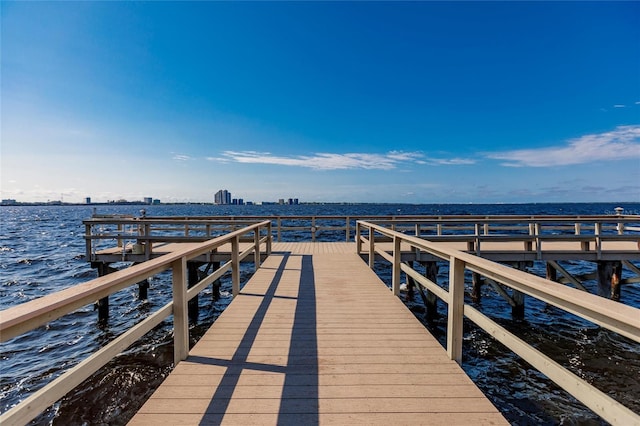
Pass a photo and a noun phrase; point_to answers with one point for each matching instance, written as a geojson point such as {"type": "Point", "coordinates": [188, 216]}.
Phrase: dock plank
{"type": "Point", "coordinates": [315, 337]}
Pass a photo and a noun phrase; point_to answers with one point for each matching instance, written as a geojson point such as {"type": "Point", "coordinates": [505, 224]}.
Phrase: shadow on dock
{"type": "Point", "coordinates": [299, 401]}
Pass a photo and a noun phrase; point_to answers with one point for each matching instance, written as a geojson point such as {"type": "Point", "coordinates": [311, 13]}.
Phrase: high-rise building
{"type": "Point", "coordinates": [222, 197]}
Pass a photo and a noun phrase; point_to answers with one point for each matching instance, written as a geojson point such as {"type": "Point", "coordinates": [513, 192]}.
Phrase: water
{"type": "Point", "coordinates": [42, 251]}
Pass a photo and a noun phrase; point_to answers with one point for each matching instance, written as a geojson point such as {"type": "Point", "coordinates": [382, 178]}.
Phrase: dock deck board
{"type": "Point", "coordinates": [316, 338]}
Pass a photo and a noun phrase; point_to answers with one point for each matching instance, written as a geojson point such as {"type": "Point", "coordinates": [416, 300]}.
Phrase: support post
{"type": "Point", "coordinates": [430, 299]}
{"type": "Point", "coordinates": [256, 248]}
{"type": "Point", "coordinates": [552, 274]}
{"type": "Point", "coordinates": [192, 275]}
{"type": "Point", "coordinates": [180, 311]}
{"type": "Point", "coordinates": [313, 229]}
{"type": "Point", "coordinates": [143, 287]}
{"type": "Point", "coordinates": [616, 277]}
{"type": "Point", "coordinates": [269, 239]}
{"type": "Point", "coordinates": [456, 310]}
{"type": "Point", "coordinates": [102, 305]}
{"type": "Point", "coordinates": [347, 229]}
{"type": "Point", "coordinates": [372, 251]}
{"type": "Point", "coordinates": [279, 224]}
{"type": "Point", "coordinates": [411, 285]}
{"type": "Point", "coordinates": [395, 280]}
{"type": "Point", "coordinates": [609, 276]}
{"type": "Point", "coordinates": [604, 278]}
{"type": "Point", "coordinates": [215, 286]}
{"type": "Point", "coordinates": [476, 293]}
{"type": "Point", "coordinates": [517, 310]}
{"type": "Point", "coordinates": [235, 266]}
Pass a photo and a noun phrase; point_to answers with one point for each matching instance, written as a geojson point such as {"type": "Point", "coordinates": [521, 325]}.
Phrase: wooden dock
{"type": "Point", "coordinates": [316, 338]}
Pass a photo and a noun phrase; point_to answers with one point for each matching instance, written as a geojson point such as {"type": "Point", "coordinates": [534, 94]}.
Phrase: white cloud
{"type": "Point", "coordinates": [325, 161]}
{"type": "Point", "coordinates": [619, 106]}
{"type": "Point", "coordinates": [181, 157]}
{"type": "Point", "coordinates": [620, 144]}
{"type": "Point", "coordinates": [334, 161]}
{"type": "Point", "coordinates": [451, 161]}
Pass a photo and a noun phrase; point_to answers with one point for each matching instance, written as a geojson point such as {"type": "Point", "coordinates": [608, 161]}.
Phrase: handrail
{"type": "Point", "coordinates": [614, 316]}
{"type": "Point", "coordinates": [30, 315]}
{"type": "Point", "coordinates": [437, 224]}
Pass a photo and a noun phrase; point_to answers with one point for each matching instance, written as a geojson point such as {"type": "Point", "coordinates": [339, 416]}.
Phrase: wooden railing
{"type": "Point", "coordinates": [28, 316]}
{"type": "Point", "coordinates": [614, 316]}
{"type": "Point", "coordinates": [139, 233]}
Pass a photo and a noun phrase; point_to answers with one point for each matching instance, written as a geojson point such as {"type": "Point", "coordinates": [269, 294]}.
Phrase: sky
{"type": "Point", "coordinates": [399, 102]}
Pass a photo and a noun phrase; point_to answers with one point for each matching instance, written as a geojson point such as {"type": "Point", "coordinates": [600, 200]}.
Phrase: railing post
{"type": "Point", "coordinates": [279, 227]}
{"type": "Point", "coordinates": [148, 245]}
{"type": "Point", "coordinates": [348, 229]}
{"type": "Point", "coordinates": [477, 238]}
{"type": "Point", "coordinates": [598, 233]}
{"type": "Point", "coordinates": [269, 238]}
{"type": "Point", "coordinates": [372, 248]}
{"type": "Point", "coordinates": [313, 229]}
{"type": "Point", "coordinates": [456, 309]}
{"type": "Point", "coordinates": [119, 237]}
{"type": "Point", "coordinates": [180, 311]}
{"type": "Point", "coordinates": [536, 233]}
{"type": "Point", "coordinates": [256, 249]}
{"type": "Point", "coordinates": [358, 240]}
{"type": "Point", "coordinates": [88, 241]}
{"type": "Point", "coordinates": [395, 280]}
{"type": "Point", "coordinates": [235, 266]}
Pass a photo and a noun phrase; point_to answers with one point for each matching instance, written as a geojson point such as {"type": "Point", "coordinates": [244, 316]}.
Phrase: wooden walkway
{"type": "Point", "coordinates": [316, 338]}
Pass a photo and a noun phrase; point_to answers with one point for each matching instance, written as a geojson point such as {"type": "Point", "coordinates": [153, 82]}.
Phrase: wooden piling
{"type": "Point", "coordinates": [102, 305]}
{"type": "Point", "coordinates": [192, 279]}
{"type": "Point", "coordinates": [609, 277]}
{"type": "Point", "coordinates": [431, 301]}
{"type": "Point", "coordinates": [552, 273]}
{"type": "Point", "coordinates": [143, 286]}
{"type": "Point", "coordinates": [517, 309]}
{"type": "Point", "coordinates": [215, 287]}
{"type": "Point", "coordinates": [616, 277]}
{"type": "Point", "coordinates": [476, 292]}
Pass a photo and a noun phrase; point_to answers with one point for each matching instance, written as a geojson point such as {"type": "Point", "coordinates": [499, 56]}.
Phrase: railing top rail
{"type": "Point", "coordinates": [513, 219]}
{"type": "Point", "coordinates": [53, 306]}
{"type": "Point", "coordinates": [567, 298]}
{"type": "Point", "coordinates": [374, 218]}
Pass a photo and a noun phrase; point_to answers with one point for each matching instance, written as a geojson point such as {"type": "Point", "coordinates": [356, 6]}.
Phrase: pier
{"type": "Point", "coordinates": [315, 336]}
{"type": "Point", "coordinates": [288, 351]}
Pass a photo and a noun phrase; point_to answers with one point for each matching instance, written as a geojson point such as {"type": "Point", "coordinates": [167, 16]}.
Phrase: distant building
{"type": "Point", "coordinates": [9, 202]}
{"type": "Point", "coordinates": [222, 197]}
{"type": "Point", "coordinates": [281, 201]}
{"type": "Point", "coordinates": [148, 200]}
{"type": "Point", "coordinates": [87, 200]}
{"type": "Point", "coordinates": [156, 201]}
{"type": "Point", "coordinates": [295, 201]}
{"type": "Point", "coordinates": [240, 202]}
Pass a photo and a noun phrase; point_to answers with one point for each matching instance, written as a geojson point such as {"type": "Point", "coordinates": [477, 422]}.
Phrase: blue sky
{"type": "Point", "coordinates": [417, 102]}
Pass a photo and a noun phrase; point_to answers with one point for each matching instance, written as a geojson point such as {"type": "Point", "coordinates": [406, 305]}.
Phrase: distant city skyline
{"type": "Point", "coordinates": [409, 102]}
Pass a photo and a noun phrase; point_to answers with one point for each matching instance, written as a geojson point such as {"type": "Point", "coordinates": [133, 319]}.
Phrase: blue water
{"type": "Point", "coordinates": [42, 251]}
